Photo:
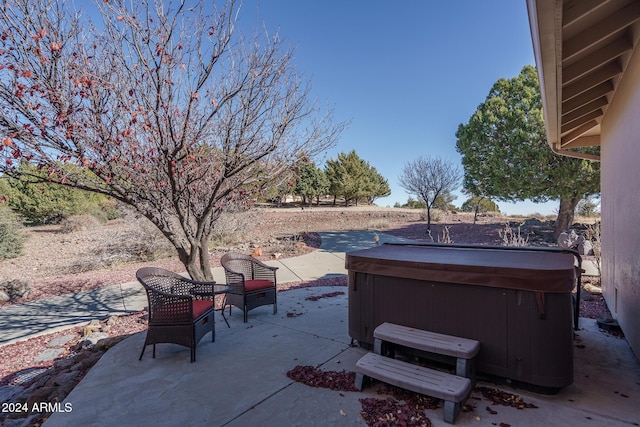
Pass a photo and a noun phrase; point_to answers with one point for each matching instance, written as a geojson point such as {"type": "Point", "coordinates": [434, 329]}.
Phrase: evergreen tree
{"type": "Point", "coordinates": [477, 205]}
{"type": "Point", "coordinates": [505, 153]}
{"type": "Point", "coordinates": [311, 183]}
{"type": "Point", "coordinates": [354, 179]}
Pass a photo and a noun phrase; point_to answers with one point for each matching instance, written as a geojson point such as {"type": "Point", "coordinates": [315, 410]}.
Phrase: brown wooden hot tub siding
{"type": "Point", "coordinates": [525, 329]}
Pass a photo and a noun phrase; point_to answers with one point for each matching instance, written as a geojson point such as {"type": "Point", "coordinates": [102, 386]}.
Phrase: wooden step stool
{"type": "Point", "coordinates": [450, 388]}
{"type": "Point", "coordinates": [463, 349]}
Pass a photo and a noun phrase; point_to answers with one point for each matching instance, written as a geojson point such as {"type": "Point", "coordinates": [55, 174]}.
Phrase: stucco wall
{"type": "Point", "coordinates": [620, 177]}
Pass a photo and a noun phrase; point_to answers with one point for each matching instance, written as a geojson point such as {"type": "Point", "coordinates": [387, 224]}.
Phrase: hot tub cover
{"type": "Point", "coordinates": [526, 269]}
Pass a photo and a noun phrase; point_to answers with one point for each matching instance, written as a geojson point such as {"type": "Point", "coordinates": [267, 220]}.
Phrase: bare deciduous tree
{"type": "Point", "coordinates": [166, 104]}
{"type": "Point", "coordinates": [427, 178]}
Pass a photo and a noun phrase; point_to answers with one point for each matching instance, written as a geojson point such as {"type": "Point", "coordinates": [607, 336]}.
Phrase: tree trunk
{"type": "Point", "coordinates": [566, 212]}
{"type": "Point", "coordinates": [196, 261]}
{"type": "Point", "coordinates": [477, 209]}
{"type": "Point", "coordinates": [428, 219]}
{"type": "Point", "coordinates": [475, 213]}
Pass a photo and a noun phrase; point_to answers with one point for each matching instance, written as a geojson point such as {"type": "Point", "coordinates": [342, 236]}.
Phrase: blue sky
{"type": "Point", "coordinates": [406, 73]}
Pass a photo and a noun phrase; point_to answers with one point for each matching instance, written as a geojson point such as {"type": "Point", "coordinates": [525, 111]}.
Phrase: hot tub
{"type": "Point", "coordinates": [516, 301]}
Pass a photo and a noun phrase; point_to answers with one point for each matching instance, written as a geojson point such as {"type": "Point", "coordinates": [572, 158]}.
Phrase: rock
{"type": "Point", "coordinates": [532, 222]}
{"type": "Point", "coordinates": [592, 289]}
{"type": "Point", "coordinates": [564, 241]}
{"type": "Point", "coordinates": [83, 354]}
{"type": "Point", "coordinates": [60, 341]}
{"type": "Point", "coordinates": [43, 394]}
{"type": "Point", "coordinates": [18, 422]}
{"type": "Point", "coordinates": [97, 336]}
{"type": "Point", "coordinates": [571, 240]}
{"type": "Point", "coordinates": [568, 240]}
{"type": "Point", "coordinates": [257, 252]}
{"type": "Point", "coordinates": [13, 290]}
{"type": "Point", "coordinates": [585, 248]}
{"type": "Point", "coordinates": [8, 392]}
{"type": "Point", "coordinates": [50, 354]}
{"type": "Point", "coordinates": [90, 360]}
{"type": "Point", "coordinates": [90, 340]}
{"type": "Point", "coordinates": [276, 255]}
{"type": "Point", "coordinates": [91, 327]}
{"type": "Point", "coordinates": [62, 364]}
{"type": "Point", "coordinates": [65, 380]}
{"type": "Point", "coordinates": [107, 343]}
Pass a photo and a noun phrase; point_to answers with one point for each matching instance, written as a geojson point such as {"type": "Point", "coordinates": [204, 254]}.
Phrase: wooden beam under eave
{"type": "Point", "coordinates": [607, 26]}
{"type": "Point", "coordinates": [572, 10]}
{"type": "Point", "coordinates": [573, 104]}
{"type": "Point", "coordinates": [591, 80]}
{"type": "Point", "coordinates": [577, 133]}
{"type": "Point", "coordinates": [584, 141]}
{"type": "Point", "coordinates": [585, 109]}
{"type": "Point", "coordinates": [567, 126]}
{"type": "Point", "coordinates": [613, 50]}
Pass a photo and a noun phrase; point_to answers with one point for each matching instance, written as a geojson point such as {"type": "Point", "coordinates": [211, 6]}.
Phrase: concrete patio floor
{"type": "Point", "coordinates": [240, 380]}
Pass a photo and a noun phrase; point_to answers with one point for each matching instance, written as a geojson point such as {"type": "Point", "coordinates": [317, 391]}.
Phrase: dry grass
{"type": "Point", "coordinates": [513, 238]}
{"type": "Point", "coordinates": [141, 243]}
{"type": "Point", "coordinates": [232, 228]}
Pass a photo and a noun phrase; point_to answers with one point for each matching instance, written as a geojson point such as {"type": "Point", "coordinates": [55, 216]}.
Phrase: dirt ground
{"type": "Point", "coordinates": [83, 253]}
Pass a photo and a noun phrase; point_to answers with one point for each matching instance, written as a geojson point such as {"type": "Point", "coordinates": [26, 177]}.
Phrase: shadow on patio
{"type": "Point", "coordinates": [241, 379]}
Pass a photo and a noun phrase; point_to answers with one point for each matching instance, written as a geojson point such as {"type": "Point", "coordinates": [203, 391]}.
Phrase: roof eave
{"type": "Point", "coordinates": [546, 34]}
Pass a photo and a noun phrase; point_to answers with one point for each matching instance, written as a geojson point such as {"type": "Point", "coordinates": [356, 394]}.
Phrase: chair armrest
{"type": "Point", "coordinates": [183, 286]}
{"type": "Point", "coordinates": [200, 287]}
{"type": "Point", "coordinates": [259, 264]}
{"type": "Point", "coordinates": [199, 283]}
{"type": "Point", "coordinates": [264, 271]}
{"type": "Point", "coordinates": [235, 280]}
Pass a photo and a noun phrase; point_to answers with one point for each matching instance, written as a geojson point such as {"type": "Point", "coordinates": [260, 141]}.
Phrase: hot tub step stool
{"type": "Point", "coordinates": [463, 349]}
{"type": "Point", "coordinates": [450, 388]}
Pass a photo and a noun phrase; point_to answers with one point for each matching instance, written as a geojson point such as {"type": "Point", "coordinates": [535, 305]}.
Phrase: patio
{"type": "Point", "coordinates": [241, 379]}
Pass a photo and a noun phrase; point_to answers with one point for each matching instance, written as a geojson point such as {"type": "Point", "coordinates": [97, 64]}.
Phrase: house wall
{"type": "Point", "coordinates": [620, 179]}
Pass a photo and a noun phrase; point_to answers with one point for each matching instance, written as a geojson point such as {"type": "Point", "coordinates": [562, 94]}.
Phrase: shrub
{"type": "Point", "coordinates": [481, 204]}
{"type": "Point", "coordinates": [105, 210]}
{"type": "Point", "coordinates": [513, 238]}
{"type": "Point", "coordinates": [412, 204]}
{"type": "Point", "coordinates": [232, 228]}
{"type": "Point", "coordinates": [78, 223]}
{"type": "Point", "coordinates": [588, 207]}
{"type": "Point", "coordinates": [436, 215]}
{"type": "Point", "coordinates": [43, 202]}
{"type": "Point", "coordinates": [11, 236]}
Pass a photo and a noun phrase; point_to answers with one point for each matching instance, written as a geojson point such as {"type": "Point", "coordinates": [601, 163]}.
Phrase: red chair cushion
{"type": "Point", "coordinates": [254, 285]}
{"type": "Point", "coordinates": [200, 307]}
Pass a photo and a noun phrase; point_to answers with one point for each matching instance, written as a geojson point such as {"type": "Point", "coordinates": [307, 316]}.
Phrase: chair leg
{"type": "Point", "coordinates": [225, 319]}
{"type": "Point", "coordinates": [154, 351]}
{"type": "Point", "coordinates": [142, 354]}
